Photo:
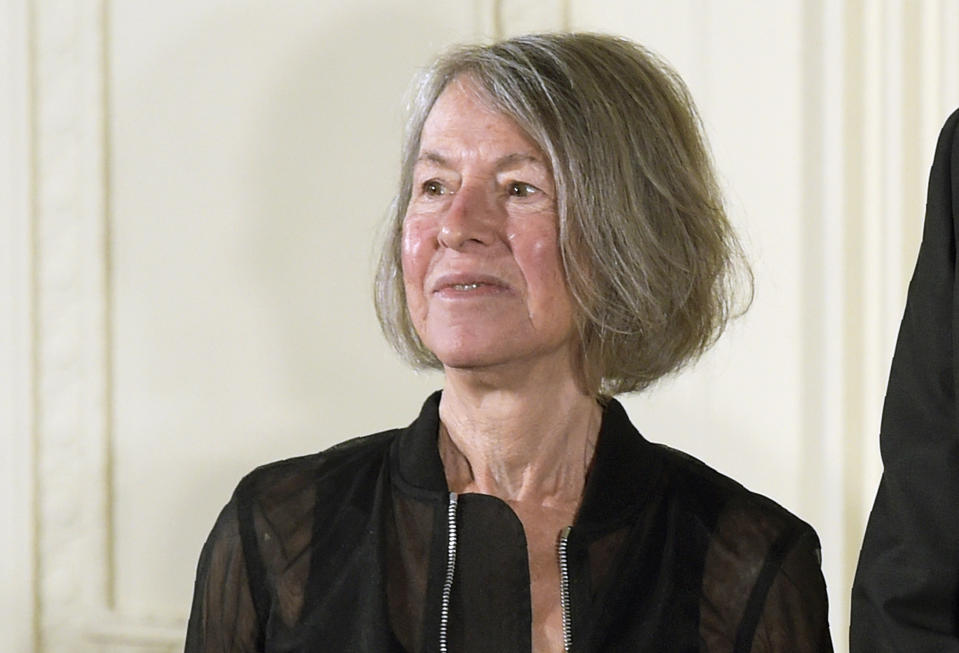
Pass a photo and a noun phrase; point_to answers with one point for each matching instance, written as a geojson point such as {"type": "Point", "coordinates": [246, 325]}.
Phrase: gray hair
{"type": "Point", "coordinates": [651, 260]}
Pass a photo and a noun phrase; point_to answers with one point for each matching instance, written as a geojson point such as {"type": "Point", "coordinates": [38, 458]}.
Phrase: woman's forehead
{"type": "Point", "coordinates": [460, 96]}
{"type": "Point", "coordinates": [465, 111]}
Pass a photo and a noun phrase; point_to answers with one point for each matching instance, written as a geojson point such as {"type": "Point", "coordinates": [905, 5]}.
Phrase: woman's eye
{"type": "Point", "coordinates": [521, 189]}
{"type": "Point", "coordinates": [433, 187]}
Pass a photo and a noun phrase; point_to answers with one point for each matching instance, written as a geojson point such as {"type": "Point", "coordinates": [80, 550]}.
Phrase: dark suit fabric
{"type": "Point", "coordinates": [906, 593]}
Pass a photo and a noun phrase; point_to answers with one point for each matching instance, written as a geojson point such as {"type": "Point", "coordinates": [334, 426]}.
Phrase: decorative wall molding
{"type": "Point", "coordinates": [77, 612]}
{"type": "Point", "coordinates": [73, 411]}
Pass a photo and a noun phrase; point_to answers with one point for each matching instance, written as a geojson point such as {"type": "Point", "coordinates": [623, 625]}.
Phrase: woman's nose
{"type": "Point", "coordinates": [469, 219]}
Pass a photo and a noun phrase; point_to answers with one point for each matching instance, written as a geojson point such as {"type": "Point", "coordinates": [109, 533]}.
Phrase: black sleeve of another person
{"type": "Point", "coordinates": [906, 593]}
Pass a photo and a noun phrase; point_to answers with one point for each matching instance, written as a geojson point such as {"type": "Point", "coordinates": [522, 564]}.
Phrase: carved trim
{"type": "Point", "coordinates": [72, 301]}
{"type": "Point", "coordinates": [74, 342]}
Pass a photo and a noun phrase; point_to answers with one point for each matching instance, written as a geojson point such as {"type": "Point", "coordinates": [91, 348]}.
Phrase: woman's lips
{"type": "Point", "coordinates": [455, 286]}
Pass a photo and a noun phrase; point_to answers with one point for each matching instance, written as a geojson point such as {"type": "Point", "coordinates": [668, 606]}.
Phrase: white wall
{"type": "Point", "coordinates": [191, 193]}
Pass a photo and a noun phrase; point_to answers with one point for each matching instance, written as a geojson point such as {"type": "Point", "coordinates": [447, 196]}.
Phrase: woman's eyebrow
{"type": "Point", "coordinates": [429, 156]}
{"type": "Point", "coordinates": [506, 161]}
{"type": "Point", "coordinates": [519, 158]}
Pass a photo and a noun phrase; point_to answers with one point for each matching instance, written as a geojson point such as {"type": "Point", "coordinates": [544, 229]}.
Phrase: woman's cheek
{"type": "Point", "coordinates": [417, 249]}
{"type": "Point", "coordinates": [538, 246]}
{"type": "Point", "coordinates": [415, 245]}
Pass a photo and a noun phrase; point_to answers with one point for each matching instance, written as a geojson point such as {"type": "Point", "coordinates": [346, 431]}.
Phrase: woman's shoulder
{"type": "Point", "coordinates": [761, 572]}
{"type": "Point", "coordinates": [351, 461]}
{"type": "Point", "coordinates": [717, 498]}
{"type": "Point", "coordinates": [274, 508]}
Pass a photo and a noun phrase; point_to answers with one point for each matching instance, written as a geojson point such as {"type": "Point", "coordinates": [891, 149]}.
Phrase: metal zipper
{"type": "Point", "coordinates": [450, 568]}
{"type": "Point", "coordinates": [561, 548]}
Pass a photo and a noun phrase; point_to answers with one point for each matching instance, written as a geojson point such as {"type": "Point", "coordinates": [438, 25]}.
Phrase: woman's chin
{"type": "Point", "coordinates": [504, 361]}
{"type": "Point", "coordinates": [471, 360]}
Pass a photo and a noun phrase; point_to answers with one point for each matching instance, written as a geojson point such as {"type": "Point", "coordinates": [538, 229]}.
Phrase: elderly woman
{"type": "Point", "coordinates": [558, 238]}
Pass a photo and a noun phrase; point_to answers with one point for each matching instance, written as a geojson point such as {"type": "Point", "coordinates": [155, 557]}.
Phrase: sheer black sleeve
{"type": "Point", "coordinates": [794, 614]}
{"type": "Point", "coordinates": [763, 588]}
{"type": "Point", "coordinates": [223, 618]}
{"type": "Point", "coordinates": [255, 566]}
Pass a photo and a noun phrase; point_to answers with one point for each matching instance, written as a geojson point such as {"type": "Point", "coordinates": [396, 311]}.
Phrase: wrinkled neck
{"type": "Point", "coordinates": [528, 443]}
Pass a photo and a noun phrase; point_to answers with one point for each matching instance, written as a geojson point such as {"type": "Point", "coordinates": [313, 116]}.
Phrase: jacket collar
{"type": "Point", "coordinates": [624, 468]}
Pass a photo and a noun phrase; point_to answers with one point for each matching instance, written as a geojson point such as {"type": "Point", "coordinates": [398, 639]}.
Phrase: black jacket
{"type": "Point", "coordinates": [346, 550]}
{"type": "Point", "coordinates": [906, 593]}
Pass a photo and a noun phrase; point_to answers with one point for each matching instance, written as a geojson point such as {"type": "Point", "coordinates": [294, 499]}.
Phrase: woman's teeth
{"type": "Point", "coordinates": [466, 286]}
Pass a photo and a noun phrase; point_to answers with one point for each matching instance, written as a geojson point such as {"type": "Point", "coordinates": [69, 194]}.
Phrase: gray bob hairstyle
{"type": "Point", "coordinates": [651, 261]}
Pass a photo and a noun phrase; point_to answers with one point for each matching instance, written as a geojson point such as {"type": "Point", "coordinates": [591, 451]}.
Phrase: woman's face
{"type": "Point", "coordinates": [480, 252]}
